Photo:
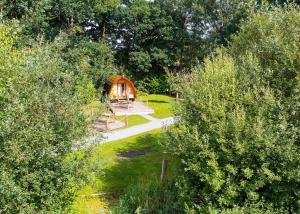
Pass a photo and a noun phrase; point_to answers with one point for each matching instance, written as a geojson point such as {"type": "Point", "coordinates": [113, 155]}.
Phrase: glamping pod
{"type": "Point", "coordinates": [120, 87]}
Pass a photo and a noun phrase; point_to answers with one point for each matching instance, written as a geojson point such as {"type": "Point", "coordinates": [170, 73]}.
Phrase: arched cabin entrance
{"type": "Point", "coordinates": [120, 88]}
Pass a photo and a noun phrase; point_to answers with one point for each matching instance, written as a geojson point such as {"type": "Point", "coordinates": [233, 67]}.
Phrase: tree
{"type": "Point", "coordinates": [201, 26]}
{"type": "Point", "coordinates": [238, 138]}
{"type": "Point", "coordinates": [152, 36]}
{"type": "Point", "coordinates": [140, 31]}
{"type": "Point", "coordinates": [49, 17]}
{"type": "Point", "coordinates": [94, 60]}
{"type": "Point", "coordinates": [148, 37]}
{"type": "Point", "coordinates": [39, 122]}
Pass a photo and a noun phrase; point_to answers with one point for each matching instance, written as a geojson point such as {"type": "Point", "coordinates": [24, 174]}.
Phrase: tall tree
{"type": "Point", "coordinates": [152, 35]}
{"type": "Point", "coordinates": [39, 122]}
{"type": "Point", "coordinates": [140, 33]}
{"type": "Point", "coordinates": [49, 17]}
{"type": "Point", "coordinates": [238, 137]}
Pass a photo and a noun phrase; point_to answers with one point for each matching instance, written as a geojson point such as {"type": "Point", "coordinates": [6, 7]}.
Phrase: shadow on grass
{"type": "Point", "coordinates": [111, 176]}
{"type": "Point", "coordinates": [158, 101]}
{"type": "Point", "coordinates": [127, 171]}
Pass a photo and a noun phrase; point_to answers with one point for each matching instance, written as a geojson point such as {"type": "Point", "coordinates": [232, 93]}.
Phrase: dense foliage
{"type": "Point", "coordinates": [39, 121]}
{"type": "Point", "coordinates": [152, 36]}
{"type": "Point", "coordinates": [153, 197]}
{"type": "Point", "coordinates": [238, 138]}
{"type": "Point", "coordinates": [147, 37]}
{"type": "Point", "coordinates": [93, 61]}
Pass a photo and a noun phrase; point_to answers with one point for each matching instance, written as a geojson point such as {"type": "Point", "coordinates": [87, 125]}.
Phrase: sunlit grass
{"type": "Point", "coordinates": [113, 174]}
{"type": "Point", "coordinates": [133, 120]}
{"type": "Point", "coordinates": [161, 104]}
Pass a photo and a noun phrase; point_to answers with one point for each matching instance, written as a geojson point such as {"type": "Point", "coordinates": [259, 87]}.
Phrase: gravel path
{"type": "Point", "coordinates": [131, 131]}
{"type": "Point", "coordinates": [134, 130]}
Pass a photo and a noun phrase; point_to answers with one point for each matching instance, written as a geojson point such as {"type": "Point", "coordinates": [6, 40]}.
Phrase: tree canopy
{"type": "Point", "coordinates": [39, 122]}
{"type": "Point", "coordinates": [147, 37]}
{"type": "Point", "coordinates": [238, 137]}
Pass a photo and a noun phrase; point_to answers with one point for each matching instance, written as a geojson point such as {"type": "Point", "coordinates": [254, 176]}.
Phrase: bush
{"type": "Point", "coordinates": [152, 197]}
{"type": "Point", "coordinates": [85, 90]}
{"type": "Point", "coordinates": [93, 60]}
{"type": "Point", "coordinates": [154, 85]}
{"type": "Point", "coordinates": [239, 132]}
{"type": "Point", "coordinates": [39, 121]}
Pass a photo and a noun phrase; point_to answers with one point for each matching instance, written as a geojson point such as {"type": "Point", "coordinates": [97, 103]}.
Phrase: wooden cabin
{"type": "Point", "coordinates": [120, 88]}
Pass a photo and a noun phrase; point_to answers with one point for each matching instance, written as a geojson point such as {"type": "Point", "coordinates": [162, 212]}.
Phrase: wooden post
{"type": "Point", "coordinates": [126, 120]}
{"type": "Point", "coordinates": [164, 167]}
{"type": "Point", "coordinates": [106, 124]}
{"type": "Point", "coordinates": [177, 97]}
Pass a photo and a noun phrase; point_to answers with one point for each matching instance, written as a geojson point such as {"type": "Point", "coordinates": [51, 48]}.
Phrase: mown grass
{"type": "Point", "coordinates": [161, 104]}
{"type": "Point", "coordinates": [133, 120]}
{"type": "Point", "coordinates": [112, 175]}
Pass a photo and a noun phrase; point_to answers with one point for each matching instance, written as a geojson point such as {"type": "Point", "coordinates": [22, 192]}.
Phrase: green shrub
{"type": "Point", "coordinates": [94, 60]}
{"type": "Point", "coordinates": [152, 197]}
{"type": "Point", "coordinates": [39, 122]}
{"type": "Point", "coordinates": [154, 85]}
{"type": "Point", "coordinates": [238, 137]}
{"type": "Point", "coordinates": [85, 90]}
{"type": "Point", "coordinates": [258, 208]}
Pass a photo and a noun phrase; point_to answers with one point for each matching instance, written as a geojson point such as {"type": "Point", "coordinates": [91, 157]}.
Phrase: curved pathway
{"type": "Point", "coordinates": [131, 131]}
{"type": "Point", "coordinates": [138, 129]}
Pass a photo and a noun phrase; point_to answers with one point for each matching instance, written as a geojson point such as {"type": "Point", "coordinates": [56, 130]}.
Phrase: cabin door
{"type": "Point", "coordinates": [121, 89]}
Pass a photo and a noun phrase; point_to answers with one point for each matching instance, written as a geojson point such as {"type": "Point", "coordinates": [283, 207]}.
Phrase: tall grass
{"type": "Point", "coordinates": [149, 198]}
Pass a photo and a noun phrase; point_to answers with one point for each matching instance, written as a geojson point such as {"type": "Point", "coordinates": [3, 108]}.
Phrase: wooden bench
{"type": "Point", "coordinates": [125, 102]}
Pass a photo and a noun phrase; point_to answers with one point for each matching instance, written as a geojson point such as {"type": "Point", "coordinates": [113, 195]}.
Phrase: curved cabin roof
{"type": "Point", "coordinates": [114, 79]}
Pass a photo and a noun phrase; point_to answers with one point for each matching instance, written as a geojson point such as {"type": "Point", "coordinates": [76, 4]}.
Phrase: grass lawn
{"type": "Point", "coordinates": [161, 104]}
{"type": "Point", "coordinates": [133, 120]}
{"type": "Point", "coordinates": [113, 174]}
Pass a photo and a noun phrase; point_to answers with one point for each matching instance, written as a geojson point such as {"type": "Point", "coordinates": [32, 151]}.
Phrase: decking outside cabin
{"type": "Point", "coordinates": [122, 101]}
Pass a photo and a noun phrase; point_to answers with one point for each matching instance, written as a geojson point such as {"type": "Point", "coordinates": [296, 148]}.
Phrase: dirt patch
{"type": "Point", "coordinates": [134, 153]}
